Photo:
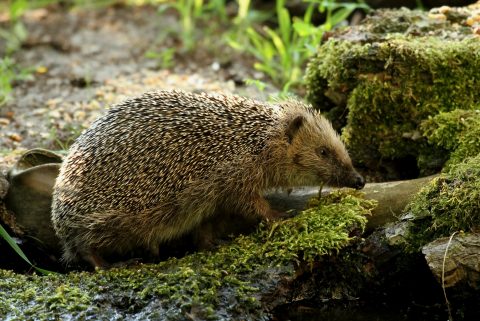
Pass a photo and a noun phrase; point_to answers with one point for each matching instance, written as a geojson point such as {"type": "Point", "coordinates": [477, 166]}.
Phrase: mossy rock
{"type": "Point", "coordinates": [456, 132]}
{"type": "Point", "coordinates": [382, 79]}
{"type": "Point", "coordinates": [450, 203]}
{"type": "Point", "coordinates": [228, 283]}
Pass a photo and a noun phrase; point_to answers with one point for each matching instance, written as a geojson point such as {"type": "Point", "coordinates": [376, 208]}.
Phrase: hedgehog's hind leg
{"type": "Point", "coordinates": [75, 252]}
{"type": "Point", "coordinates": [92, 257]}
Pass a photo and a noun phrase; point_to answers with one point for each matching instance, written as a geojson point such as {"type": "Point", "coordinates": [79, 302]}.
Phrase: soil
{"type": "Point", "coordinates": [84, 60]}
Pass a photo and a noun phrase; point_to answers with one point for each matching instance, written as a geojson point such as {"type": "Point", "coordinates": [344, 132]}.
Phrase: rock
{"type": "Point", "coordinates": [4, 184]}
{"type": "Point", "coordinates": [34, 157]}
{"type": "Point", "coordinates": [462, 259]}
{"type": "Point", "coordinates": [29, 196]}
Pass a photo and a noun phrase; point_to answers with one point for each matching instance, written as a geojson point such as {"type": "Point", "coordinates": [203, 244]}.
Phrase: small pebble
{"type": "Point", "coordinates": [4, 121]}
{"type": "Point", "coordinates": [437, 16]}
{"type": "Point", "coordinates": [54, 114]}
{"type": "Point", "coordinates": [444, 9]}
{"type": "Point", "coordinates": [41, 69]}
{"type": "Point", "coordinates": [15, 137]}
{"type": "Point", "coordinates": [79, 115]}
{"type": "Point", "coordinates": [215, 66]}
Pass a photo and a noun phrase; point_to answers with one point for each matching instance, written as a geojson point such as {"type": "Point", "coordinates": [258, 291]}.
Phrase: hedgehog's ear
{"type": "Point", "coordinates": [293, 126]}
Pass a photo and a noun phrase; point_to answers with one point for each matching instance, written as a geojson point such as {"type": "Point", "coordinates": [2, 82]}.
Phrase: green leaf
{"type": "Point", "coordinates": [285, 25]}
{"type": "Point", "coordinates": [307, 17]}
{"type": "Point", "coordinates": [13, 244]}
{"type": "Point", "coordinates": [257, 83]}
{"type": "Point", "coordinates": [265, 68]}
{"type": "Point", "coordinates": [340, 15]}
{"type": "Point", "coordinates": [198, 4]}
{"type": "Point", "coordinates": [303, 28]}
{"type": "Point", "coordinates": [17, 8]}
{"type": "Point", "coordinates": [243, 6]}
{"type": "Point", "coordinates": [277, 41]}
{"type": "Point", "coordinates": [18, 250]}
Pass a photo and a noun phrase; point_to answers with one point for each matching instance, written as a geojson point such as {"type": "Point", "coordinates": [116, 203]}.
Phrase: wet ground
{"type": "Point", "coordinates": [84, 60]}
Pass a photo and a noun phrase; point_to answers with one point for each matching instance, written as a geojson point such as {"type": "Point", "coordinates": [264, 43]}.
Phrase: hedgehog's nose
{"type": "Point", "coordinates": [359, 182]}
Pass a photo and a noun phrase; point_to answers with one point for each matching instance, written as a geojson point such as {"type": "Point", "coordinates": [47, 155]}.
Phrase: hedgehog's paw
{"type": "Point", "coordinates": [96, 260]}
{"type": "Point", "coordinates": [274, 215]}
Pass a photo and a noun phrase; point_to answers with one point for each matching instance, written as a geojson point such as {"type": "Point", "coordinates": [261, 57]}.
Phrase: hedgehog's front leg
{"type": "Point", "coordinates": [260, 206]}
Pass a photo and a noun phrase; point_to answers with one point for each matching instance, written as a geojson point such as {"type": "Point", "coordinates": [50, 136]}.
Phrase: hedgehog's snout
{"type": "Point", "coordinates": [359, 181]}
{"type": "Point", "coordinates": [353, 179]}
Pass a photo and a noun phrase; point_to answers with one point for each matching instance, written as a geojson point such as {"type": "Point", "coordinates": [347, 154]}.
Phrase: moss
{"type": "Point", "coordinates": [386, 79]}
{"type": "Point", "coordinates": [457, 132]}
{"type": "Point", "coordinates": [449, 203]}
{"type": "Point", "coordinates": [220, 284]}
{"type": "Point", "coordinates": [412, 23]}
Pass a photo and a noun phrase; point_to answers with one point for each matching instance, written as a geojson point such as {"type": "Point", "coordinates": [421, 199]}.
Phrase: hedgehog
{"type": "Point", "coordinates": [153, 168]}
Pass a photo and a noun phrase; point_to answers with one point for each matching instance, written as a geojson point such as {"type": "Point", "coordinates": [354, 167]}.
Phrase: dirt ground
{"type": "Point", "coordinates": [84, 60]}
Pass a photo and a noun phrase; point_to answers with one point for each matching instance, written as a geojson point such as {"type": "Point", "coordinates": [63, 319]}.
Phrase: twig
{"type": "Point", "coordinates": [450, 318]}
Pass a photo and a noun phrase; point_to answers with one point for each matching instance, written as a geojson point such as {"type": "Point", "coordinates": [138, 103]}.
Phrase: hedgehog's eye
{"type": "Point", "coordinates": [321, 151]}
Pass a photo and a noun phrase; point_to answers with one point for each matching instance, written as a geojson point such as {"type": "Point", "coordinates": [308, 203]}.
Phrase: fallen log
{"type": "Point", "coordinates": [392, 197]}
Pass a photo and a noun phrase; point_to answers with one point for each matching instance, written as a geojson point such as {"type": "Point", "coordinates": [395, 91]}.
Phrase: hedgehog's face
{"type": "Point", "coordinates": [317, 154]}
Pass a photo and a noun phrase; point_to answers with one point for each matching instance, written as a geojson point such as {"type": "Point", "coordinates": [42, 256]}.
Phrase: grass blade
{"type": "Point", "coordinates": [18, 250]}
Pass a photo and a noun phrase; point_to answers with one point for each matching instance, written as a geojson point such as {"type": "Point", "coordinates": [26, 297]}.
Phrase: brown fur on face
{"type": "Point", "coordinates": [157, 166]}
{"type": "Point", "coordinates": [317, 154]}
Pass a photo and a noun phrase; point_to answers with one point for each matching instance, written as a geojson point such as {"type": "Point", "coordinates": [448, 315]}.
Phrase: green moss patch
{"type": "Point", "coordinates": [457, 132]}
{"type": "Point", "coordinates": [448, 204]}
{"type": "Point", "coordinates": [382, 79]}
{"type": "Point", "coordinates": [225, 283]}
